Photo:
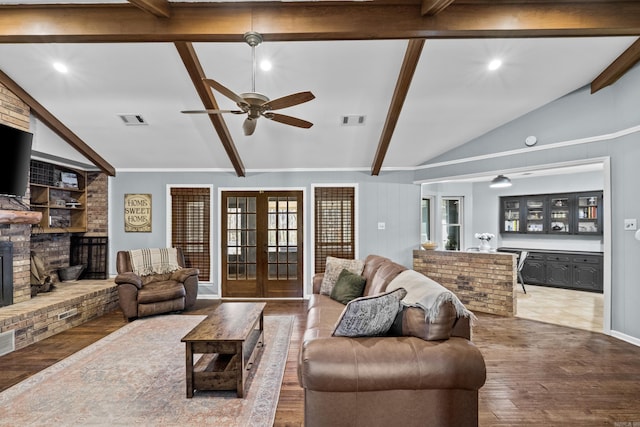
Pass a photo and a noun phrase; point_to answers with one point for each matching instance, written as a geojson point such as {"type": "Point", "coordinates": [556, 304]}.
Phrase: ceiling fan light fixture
{"type": "Point", "coordinates": [500, 181]}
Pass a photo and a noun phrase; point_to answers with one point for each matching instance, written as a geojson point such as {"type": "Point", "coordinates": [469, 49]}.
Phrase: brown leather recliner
{"type": "Point", "coordinates": [156, 293]}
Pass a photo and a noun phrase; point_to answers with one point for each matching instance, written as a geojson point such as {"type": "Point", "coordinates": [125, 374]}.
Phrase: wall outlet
{"type": "Point", "coordinates": [381, 226]}
{"type": "Point", "coordinates": [630, 224]}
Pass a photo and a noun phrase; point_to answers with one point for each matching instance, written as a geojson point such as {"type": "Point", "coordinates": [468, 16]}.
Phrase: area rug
{"type": "Point", "coordinates": [136, 376]}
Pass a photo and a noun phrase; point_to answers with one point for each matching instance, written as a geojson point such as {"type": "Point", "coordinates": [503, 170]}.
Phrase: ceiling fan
{"type": "Point", "coordinates": [255, 104]}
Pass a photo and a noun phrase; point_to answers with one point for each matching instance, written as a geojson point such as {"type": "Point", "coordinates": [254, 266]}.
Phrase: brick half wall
{"type": "Point", "coordinates": [484, 282]}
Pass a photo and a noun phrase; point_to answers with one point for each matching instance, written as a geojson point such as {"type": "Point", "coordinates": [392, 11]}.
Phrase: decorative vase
{"type": "Point", "coordinates": [484, 246]}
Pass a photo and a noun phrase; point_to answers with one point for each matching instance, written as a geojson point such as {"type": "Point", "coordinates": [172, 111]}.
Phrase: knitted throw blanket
{"type": "Point", "coordinates": [154, 261]}
{"type": "Point", "coordinates": [427, 294]}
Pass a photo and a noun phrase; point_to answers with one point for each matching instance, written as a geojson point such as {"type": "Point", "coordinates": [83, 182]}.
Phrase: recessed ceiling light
{"type": "Point", "coordinates": [265, 65]}
{"type": "Point", "coordinates": [495, 64]}
{"type": "Point", "coordinates": [60, 67]}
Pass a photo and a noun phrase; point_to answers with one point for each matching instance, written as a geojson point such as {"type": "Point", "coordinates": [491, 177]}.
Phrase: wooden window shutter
{"type": "Point", "coordinates": [334, 224]}
{"type": "Point", "coordinates": [190, 227]}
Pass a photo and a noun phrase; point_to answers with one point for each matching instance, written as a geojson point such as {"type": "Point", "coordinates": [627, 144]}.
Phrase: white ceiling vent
{"type": "Point", "coordinates": [133, 119]}
{"type": "Point", "coordinates": [352, 120]}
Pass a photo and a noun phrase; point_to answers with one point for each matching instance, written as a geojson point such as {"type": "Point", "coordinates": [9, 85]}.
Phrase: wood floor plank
{"type": "Point", "coordinates": [537, 373]}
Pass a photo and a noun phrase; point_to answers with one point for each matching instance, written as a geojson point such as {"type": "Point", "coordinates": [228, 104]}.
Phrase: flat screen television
{"type": "Point", "coordinates": [15, 156]}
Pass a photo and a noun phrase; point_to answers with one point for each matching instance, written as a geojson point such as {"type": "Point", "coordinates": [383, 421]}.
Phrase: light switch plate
{"type": "Point", "coordinates": [630, 224]}
{"type": "Point", "coordinates": [381, 226]}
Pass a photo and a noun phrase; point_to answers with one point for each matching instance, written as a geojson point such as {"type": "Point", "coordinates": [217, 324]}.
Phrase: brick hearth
{"type": "Point", "coordinates": [37, 318]}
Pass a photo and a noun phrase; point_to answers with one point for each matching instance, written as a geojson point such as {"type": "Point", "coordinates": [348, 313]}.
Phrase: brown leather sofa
{"type": "Point", "coordinates": [141, 296]}
{"type": "Point", "coordinates": [389, 380]}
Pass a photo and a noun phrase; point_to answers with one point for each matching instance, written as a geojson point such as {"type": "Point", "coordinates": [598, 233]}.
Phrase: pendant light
{"type": "Point", "coordinates": [500, 181]}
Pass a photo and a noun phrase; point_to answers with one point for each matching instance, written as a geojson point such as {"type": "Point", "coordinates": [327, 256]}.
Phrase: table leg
{"type": "Point", "coordinates": [189, 365]}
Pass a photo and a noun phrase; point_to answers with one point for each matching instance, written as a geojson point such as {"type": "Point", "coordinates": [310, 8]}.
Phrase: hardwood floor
{"type": "Point", "coordinates": [537, 373]}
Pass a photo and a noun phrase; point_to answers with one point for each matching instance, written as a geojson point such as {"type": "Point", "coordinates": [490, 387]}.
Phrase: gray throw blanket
{"type": "Point", "coordinates": [427, 294]}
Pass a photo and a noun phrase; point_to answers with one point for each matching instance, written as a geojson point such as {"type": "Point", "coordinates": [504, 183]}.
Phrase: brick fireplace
{"type": "Point", "coordinates": [29, 319]}
{"type": "Point", "coordinates": [14, 112]}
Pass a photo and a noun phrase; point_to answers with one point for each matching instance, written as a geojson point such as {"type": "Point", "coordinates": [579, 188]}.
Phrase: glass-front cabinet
{"type": "Point", "coordinates": [536, 214]}
{"type": "Point", "coordinates": [510, 211]}
{"type": "Point", "coordinates": [562, 213]}
{"type": "Point", "coordinates": [589, 213]}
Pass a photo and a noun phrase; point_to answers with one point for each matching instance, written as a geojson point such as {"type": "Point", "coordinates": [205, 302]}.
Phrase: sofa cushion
{"type": "Point", "coordinates": [413, 322]}
{"type": "Point", "coordinates": [369, 316]}
{"type": "Point", "coordinates": [349, 286]}
{"type": "Point", "coordinates": [430, 309]}
{"type": "Point", "coordinates": [385, 273]}
{"type": "Point", "coordinates": [333, 269]}
{"type": "Point", "coordinates": [160, 291]}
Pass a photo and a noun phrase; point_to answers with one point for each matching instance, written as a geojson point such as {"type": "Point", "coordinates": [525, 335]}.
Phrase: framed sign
{"type": "Point", "coordinates": [137, 213]}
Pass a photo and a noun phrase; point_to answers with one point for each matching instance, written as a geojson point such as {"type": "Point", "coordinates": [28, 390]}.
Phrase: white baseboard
{"type": "Point", "coordinates": [624, 337]}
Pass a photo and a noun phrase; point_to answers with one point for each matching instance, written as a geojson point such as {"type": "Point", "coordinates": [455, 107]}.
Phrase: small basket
{"type": "Point", "coordinates": [69, 274]}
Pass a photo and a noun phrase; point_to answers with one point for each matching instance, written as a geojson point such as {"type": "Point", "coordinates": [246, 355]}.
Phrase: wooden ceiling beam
{"type": "Point", "coordinates": [159, 8]}
{"type": "Point", "coordinates": [618, 68]}
{"type": "Point", "coordinates": [194, 68]}
{"type": "Point", "coordinates": [310, 21]}
{"type": "Point", "coordinates": [57, 126]}
{"type": "Point", "coordinates": [433, 7]}
{"type": "Point", "coordinates": [409, 64]}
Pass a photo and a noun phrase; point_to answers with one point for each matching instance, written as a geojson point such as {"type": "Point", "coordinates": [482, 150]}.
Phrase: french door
{"type": "Point", "coordinates": [262, 244]}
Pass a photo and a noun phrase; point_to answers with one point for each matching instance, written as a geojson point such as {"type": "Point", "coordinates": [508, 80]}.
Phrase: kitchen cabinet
{"type": "Point", "coordinates": [581, 271]}
{"type": "Point", "coordinates": [510, 214]}
{"type": "Point", "coordinates": [560, 214]}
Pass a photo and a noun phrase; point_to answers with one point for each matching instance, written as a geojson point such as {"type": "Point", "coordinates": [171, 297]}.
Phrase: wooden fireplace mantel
{"type": "Point", "coordinates": [19, 217]}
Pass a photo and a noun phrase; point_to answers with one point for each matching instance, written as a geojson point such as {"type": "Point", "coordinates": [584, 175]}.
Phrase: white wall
{"type": "Point", "coordinates": [391, 198]}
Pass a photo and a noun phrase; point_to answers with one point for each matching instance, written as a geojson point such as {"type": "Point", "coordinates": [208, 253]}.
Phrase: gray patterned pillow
{"type": "Point", "coordinates": [369, 316]}
{"type": "Point", "coordinates": [334, 268]}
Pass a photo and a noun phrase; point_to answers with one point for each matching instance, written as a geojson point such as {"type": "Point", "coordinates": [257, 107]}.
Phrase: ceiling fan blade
{"type": "Point", "coordinates": [212, 111]}
{"type": "Point", "coordinates": [288, 101]}
{"type": "Point", "coordinates": [288, 120]}
{"type": "Point", "coordinates": [249, 126]}
{"type": "Point", "coordinates": [226, 92]}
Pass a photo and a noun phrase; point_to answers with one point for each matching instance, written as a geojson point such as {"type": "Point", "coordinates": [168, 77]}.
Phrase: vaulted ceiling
{"type": "Point", "coordinates": [415, 70]}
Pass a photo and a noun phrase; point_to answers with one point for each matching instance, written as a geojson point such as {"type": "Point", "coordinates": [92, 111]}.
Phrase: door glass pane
{"type": "Point", "coordinates": [241, 237]}
{"type": "Point", "coordinates": [282, 237]}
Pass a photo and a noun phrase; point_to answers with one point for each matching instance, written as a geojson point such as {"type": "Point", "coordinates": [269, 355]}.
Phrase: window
{"type": "Point", "coordinates": [190, 223]}
{"type": "Point", "coordinates": [425, 220]}
{"type": "Point", "coordinates": [451, 223]}
{"type": "Point", "coordinates": [334, 224]}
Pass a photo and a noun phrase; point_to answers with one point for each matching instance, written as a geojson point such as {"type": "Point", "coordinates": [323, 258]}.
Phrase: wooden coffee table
{"type": "Point", "coordinates": [229, 340]}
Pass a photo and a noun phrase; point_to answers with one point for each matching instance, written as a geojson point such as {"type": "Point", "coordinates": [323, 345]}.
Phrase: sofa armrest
{"type": "Point", "coordinates": [184, 273]}
{"type": "Point", "coordinates": [129, 278]}
{"type": "Point", "coordinates": [317, 282]}
{"type": "Point", "coordinates": [340, 364]}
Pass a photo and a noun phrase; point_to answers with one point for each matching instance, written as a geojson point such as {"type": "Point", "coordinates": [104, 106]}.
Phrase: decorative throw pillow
{"type": "Point", "coordinates": [348, 287]}
{"type": "Point", "coordinates": [369, 316]}
{"type": "Point", "coordinates": [334, 268]}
